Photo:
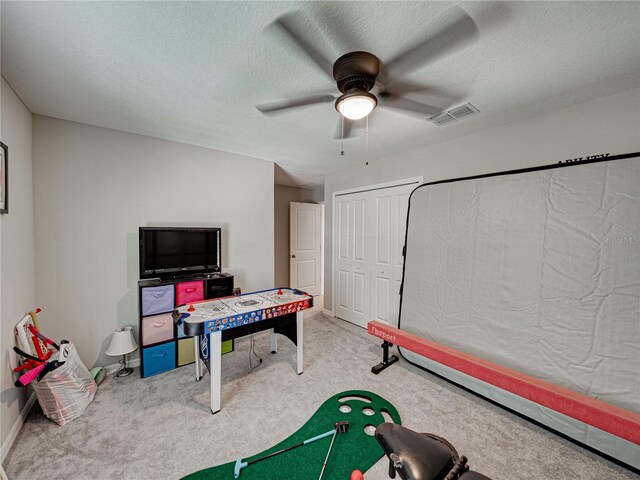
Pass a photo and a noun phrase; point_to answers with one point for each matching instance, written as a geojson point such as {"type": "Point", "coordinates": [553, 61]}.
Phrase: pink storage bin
{"type": "Point", "coordinates": [157, 329]}
{"type": "Point", "coordinates": [189, 292]}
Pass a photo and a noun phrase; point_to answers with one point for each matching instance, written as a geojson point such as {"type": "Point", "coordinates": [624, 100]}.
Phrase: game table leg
{"type": "Point", "coordinates": [299, 343]}
{"type": "Point", "coordinates": [274, 341]}
{"type": "Point", "coordinates": [198, 362]}
{"type": "Point", "coordinates": [215, 368]}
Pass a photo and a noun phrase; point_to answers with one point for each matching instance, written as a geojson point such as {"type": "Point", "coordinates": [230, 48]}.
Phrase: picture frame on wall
{"type": "Point", "coordinates": [4, 179]}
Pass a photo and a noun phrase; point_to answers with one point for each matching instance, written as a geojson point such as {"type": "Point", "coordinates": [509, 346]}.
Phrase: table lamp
{"type": "Point", "coordinates": [122, 342]}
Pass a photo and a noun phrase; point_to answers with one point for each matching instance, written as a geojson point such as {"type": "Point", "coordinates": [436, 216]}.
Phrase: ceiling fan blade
{"type": "Point", "coordinates": [399, 88]}
{"type": "Point", "coordinates": [408, 107]}
{"type": "Point", "coordinates": [459, 32]}
{"type": "Point", "coordinates": [278, 107]}
{"type": "Point", "coordinates": [287, 25]}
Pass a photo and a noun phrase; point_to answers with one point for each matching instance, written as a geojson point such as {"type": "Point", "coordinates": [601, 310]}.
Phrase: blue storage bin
{"type": "Point", "coordinates": [157, 300]}
{"type": "Point", "coordinates": [158, 359]}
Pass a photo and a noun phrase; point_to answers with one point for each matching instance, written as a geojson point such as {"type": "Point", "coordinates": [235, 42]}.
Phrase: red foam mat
{"type": "Point", "coordinates": [602, 415]}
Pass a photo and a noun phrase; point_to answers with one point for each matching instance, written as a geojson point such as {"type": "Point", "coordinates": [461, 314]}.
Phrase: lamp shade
{"type": "Point", "coordinates": [356, 105]}
{"type": "Point", "coordinates": [122, 342]}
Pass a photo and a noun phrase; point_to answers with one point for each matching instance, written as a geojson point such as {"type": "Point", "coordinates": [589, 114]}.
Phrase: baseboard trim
{"type": "Point", "coordinates": [328, 312]}
{"type": "Point", "coordinates": [17, 426]}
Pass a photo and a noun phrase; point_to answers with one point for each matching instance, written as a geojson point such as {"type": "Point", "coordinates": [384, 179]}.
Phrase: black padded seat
{"type": "Point", "coordinates": [421, 456]}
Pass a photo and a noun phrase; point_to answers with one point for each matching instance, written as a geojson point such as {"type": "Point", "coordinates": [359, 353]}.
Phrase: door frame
{"type": "Point", "coordinates": [366, 188]}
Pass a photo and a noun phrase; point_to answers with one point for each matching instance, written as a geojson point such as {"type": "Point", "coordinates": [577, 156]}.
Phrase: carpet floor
{"type": "Point", "coordinates": [161, 427]}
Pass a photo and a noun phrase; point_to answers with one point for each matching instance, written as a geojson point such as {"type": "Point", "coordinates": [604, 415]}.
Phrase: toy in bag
{"type": "Point", "coordinates": [62, 383]}
{"type": "Point", "coordinates": [30, 340]}
{"type": "Point", "coordinates": [65, 392]}
{"type": "Point", "coordinates": [33, 348]}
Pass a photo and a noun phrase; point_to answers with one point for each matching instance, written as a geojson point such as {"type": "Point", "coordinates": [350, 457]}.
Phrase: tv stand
{"type": "Point", "coordinates": [186, 276]}
{"type": "Point", "coordinates": [163, 346]}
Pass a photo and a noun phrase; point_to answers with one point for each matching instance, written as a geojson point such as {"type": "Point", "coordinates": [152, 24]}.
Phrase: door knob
{"type": "Point", "coordinates": [293, 256]}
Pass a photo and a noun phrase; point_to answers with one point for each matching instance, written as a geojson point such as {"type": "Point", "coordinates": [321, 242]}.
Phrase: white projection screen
{"type": "Point", "coordinates": [535, 270]}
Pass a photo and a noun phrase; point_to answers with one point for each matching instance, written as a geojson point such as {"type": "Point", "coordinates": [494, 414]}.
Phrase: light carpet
{"type": "Point", "coordinates": [161, 427]}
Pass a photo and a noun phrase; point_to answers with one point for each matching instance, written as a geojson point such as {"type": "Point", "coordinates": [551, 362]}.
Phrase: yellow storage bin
{"type": "Point", "coordinates": [227, 346]}
{"type": "Point", "coordinates": [186, 352]}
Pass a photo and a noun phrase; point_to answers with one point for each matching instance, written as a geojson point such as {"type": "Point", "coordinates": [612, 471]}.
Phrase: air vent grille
{"type": "Point", "coordinates": [454, 113]}
{"type": "Point", "coordinates": [442, 119]}
{"type": "Point", "coordinates": [461, 111]}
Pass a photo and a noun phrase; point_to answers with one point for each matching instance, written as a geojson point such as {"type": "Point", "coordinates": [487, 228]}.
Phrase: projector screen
{"type": "Point", "coordinates": [538, 271]}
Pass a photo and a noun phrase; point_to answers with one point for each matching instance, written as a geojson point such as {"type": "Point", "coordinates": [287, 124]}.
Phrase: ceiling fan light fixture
{"type": "Point", "coordinates": [356, 105]}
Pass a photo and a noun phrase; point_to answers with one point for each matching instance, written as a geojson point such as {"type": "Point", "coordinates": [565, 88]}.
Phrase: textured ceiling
{"type": "Point", "coordinates": [193, 72]}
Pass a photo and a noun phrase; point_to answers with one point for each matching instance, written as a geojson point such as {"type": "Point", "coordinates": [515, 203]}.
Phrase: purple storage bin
{"type": "Point", "coordinates": [157, 300]}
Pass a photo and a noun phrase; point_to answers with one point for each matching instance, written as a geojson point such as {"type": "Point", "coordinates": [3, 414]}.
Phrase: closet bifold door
{"type": "Point", "coordinates": [385, 260]}
{"type": "Point", "coordinates": [352, 278]}
{"type": "Point", "coordinates": [369, 236]}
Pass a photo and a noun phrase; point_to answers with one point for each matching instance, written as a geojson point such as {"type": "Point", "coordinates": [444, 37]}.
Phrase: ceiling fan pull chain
{"type": "Point", "coordinates": [366, 135]}
{"type": "Point", "coordinates": [342, 136]}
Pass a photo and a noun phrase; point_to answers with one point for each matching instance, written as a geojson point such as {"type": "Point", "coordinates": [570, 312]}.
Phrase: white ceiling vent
{"type": "Point", "coordinates": [453, 114]}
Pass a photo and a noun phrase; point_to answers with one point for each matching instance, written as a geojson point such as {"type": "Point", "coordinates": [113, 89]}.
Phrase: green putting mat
{"type": "Point", "coordinates": [353, 450]}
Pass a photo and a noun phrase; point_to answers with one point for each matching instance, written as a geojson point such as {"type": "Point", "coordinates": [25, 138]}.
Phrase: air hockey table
{"type": "Point", "coordinates": [214, 321]}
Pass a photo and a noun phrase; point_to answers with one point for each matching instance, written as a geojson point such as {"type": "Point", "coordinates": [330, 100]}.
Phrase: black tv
{"type": "Point", "coordinates": [177, 252]}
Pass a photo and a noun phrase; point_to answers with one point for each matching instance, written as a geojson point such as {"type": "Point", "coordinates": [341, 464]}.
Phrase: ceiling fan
{"type": "Point", "coordinates": [364, 81]}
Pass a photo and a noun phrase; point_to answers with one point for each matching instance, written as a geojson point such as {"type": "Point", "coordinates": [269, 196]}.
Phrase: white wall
{"type": "Point", "coordinates": [17, 261]}
{"type": "Point", "coordinates": [94, 187]}
{"type": "Point", "coordinates": [609, 124]}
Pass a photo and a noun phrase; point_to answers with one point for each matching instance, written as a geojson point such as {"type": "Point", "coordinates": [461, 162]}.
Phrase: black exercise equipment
{"type": "Point", "coordinates": [422, 456]}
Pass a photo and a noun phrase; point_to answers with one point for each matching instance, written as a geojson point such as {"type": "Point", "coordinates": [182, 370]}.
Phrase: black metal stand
{"type": "Point", "coordinates": [386, 359]}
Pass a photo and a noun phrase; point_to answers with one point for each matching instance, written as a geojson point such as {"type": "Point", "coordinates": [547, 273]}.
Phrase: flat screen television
{"type": "Point", "coordinates": [174, 252]}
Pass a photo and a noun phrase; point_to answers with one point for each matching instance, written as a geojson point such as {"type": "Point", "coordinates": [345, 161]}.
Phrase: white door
{"type": "Point", "coordinates": [369, 231]}
{"type": "Point", "coordinates": [351, 277]}
{"type": "Point", "coordinates": [305, 243]}
{"type": "Point", "coordinates": [389, 227]}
